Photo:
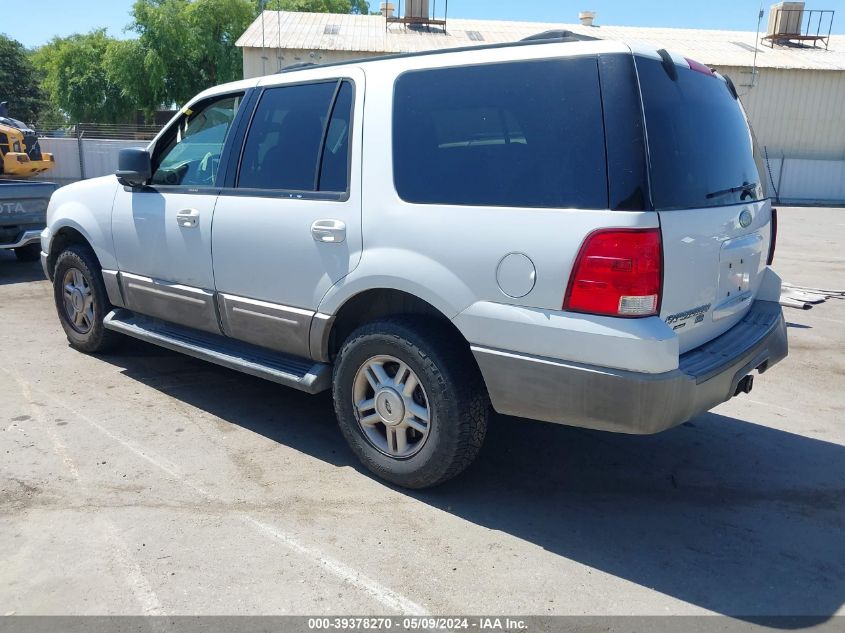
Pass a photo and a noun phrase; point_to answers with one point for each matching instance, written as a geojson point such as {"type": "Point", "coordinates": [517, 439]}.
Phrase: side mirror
{"type": "Point", "coordinates": [134, 167]}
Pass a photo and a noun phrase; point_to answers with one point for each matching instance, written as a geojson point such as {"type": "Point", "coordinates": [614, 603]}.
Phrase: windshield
{"type": "Point", "coordinates": [700, 147]}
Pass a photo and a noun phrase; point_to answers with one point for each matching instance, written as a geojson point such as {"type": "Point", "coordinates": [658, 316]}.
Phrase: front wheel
{"type": "Point", "coordinates": [81, 300]}
{"type": "Point", "coordinates": [410, 401]}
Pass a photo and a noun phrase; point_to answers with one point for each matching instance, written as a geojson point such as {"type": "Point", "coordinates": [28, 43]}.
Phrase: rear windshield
{"type": "Point", "coordinates": [522, 134]}
{"type": "Point", "coordinates": [700, 147]}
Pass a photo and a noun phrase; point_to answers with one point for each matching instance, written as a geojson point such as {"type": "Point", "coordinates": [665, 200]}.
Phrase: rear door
{"type": "Point", "coordinates": [708, 192]}
{"type": "Point", "coordinates": [289, 225]}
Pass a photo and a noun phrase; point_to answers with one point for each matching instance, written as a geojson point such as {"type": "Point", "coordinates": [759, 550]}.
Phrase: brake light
{"type": "Point", "coordinates": [618, 272]}
{"type": "Point", "coordinates": [774, 238]}
{"type": "Point", "coordinates": [699, 67]}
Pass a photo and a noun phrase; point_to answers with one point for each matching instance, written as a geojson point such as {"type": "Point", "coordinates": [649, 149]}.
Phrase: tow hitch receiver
{"type": "Point", "coordinates": [745, 385]}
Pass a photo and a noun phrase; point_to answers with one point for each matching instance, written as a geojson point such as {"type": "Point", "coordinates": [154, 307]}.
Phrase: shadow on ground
{"type": "Point", "coordinates": [728, 515]}
{"type": "Point", "coordinates": [13, 271]}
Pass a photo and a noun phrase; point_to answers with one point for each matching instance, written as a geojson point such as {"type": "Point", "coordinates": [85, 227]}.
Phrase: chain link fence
{"type": "Point", "coordinates": [89, 150]}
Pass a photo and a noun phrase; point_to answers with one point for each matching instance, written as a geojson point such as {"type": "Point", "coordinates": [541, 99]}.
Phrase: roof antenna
{"type": "Point", "coordinates": [756, 46]}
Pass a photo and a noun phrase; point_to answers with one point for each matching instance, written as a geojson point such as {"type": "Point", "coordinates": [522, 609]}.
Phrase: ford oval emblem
{"type": "Point", "coordinates": [745, 219]}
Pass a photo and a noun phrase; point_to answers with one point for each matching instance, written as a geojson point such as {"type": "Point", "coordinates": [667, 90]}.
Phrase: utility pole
{"type": "Point", "coordinates": [263, 5]}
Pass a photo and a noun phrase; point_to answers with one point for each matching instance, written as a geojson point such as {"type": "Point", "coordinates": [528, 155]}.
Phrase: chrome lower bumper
{"type": "Point", "coordinates": [27, 237]}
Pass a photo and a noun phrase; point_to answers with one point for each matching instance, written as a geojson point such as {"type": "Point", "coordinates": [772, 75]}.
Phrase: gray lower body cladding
{"type": "Point", "coordinates": [631, 402]}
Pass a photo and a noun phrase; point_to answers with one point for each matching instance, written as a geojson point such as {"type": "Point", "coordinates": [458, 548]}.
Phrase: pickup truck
{"type": "Point", "coordinates": [23, 215]}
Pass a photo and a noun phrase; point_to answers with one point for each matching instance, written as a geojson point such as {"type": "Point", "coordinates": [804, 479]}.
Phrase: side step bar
{"type": "Point", "coordinates": [290, 371]}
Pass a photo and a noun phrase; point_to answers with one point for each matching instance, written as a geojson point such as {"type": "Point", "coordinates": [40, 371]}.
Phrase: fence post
{"type": "Point", "coordinates": [80, 153]}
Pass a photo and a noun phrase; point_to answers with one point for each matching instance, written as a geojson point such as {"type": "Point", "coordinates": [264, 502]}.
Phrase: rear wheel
{"type": "Point", "coordinates": [28, 253]}
{"type": "Point", "coordinates": [410, 401]}
{"type": "Point", "coordinates": [81, 300]}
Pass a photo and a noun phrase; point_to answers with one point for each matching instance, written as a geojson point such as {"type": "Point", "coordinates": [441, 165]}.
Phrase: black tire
{"type": "Point", "coordinates": [456, 395]}
{"type": "Point", "coordinates": [28, 253]}
{"type": "Point", "coordinates": [95, 338]}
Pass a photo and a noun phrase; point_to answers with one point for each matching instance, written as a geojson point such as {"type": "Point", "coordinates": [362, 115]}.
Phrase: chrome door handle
{"type": "Point", "coordinates": [188, 218]}
{"type": "Point", "coordinates": [329, 231]}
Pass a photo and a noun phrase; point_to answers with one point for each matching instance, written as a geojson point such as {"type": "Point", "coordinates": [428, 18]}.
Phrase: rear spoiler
{"type": "Point", "coordinates": [672, 70]}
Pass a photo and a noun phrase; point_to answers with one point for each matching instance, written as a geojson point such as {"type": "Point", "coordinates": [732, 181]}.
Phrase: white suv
{"type": "Point", "coordinates": [569, 231]}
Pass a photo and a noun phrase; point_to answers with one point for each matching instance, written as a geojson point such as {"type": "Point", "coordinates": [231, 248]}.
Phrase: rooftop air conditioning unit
{"type": "Point", "coordinates": [587, 17]}
{"type": "Point", "coordinates": [417, 9]}
{"type": "Point", "coordinates": [786, 18]}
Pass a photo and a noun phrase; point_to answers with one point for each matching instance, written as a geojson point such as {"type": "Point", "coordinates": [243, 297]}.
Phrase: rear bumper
{"type": "Point", "coordinates": [631, 402]}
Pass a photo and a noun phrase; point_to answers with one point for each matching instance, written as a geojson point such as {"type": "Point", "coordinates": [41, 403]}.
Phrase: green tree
{"type": "Point", "coordinates": [187, 45]}
{"type": "Point", "coordinates": [361, 7]}
{"type": "Point", "coordinates": [182, 48]}
{"type": "Point", "coordinates": [76, 79]}
{"type": "Point", "coordinates": [317, 6]}
{"type": "Point", "coordinates": [19, 81]}
{"type": "Point", "coordinates": [131, 67]}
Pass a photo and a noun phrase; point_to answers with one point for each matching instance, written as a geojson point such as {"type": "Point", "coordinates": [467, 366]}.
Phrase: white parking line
{"type": "Point", "coordinates": [770, 405]}
{"type": "Point", "coordinates": [385, 596]}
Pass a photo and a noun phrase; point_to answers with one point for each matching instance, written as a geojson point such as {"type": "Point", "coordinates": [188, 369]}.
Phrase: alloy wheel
{"type": "Point", "coordinates": [391, 406]}
{"type": "Point", "coordinates": [78, 300]}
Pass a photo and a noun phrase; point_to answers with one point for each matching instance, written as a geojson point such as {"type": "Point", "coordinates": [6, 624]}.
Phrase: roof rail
{"type": "Point", "coordinates": [529, 41]}
{"type": "Point", "coordinates": [297, 66]}
{"type": "Point", "coordinates": [559, 35]}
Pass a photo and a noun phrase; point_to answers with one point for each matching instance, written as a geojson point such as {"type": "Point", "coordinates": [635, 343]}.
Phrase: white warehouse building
{"type": "Point", "coordinates": [794, 94]}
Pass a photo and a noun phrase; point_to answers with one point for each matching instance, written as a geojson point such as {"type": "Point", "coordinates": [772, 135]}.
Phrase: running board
{"type": "Point", "coordinates": [290, 371]}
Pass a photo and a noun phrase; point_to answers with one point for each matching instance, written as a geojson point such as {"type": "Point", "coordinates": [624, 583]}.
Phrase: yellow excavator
{"type": "Point", "coordinates": [19, 149]}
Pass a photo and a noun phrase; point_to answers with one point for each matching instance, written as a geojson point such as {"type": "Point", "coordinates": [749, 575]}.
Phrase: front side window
{"type": "Point", "coordinates": [189, 154]}
{"type": "Point", "coordinates": [522, 134]}
{"type": "Point", "coordinates": [299, 139]}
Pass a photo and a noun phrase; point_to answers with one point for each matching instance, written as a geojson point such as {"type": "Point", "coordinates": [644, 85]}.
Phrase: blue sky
{"type": "Point", "coordinates": [34, 25]}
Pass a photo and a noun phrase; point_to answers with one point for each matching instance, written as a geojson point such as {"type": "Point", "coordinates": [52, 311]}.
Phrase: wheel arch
{"type": "Point", "coordinates": [371, 305]}
{"type": "Point", "coordinates": [61, 238]}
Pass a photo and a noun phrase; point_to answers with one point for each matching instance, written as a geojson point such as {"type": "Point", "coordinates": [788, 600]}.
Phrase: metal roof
{"type": "Point", "coordinates": [366, 34]}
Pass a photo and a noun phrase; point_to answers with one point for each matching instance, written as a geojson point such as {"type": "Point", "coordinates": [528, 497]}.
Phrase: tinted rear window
{"type": "Point", "coordinates": [522, 134]}
{"type": "Point", "coordinates": [700, 147]}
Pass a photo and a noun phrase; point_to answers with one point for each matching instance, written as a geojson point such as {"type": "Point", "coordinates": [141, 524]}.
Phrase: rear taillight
{"type": "Point", "coordinates": [774, 238]}
{"type": "Point", "coordinates": [618, 273]}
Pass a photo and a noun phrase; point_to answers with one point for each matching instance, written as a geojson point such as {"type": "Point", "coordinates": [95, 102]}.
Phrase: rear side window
{"type": "Point", "coordinates": [299, 139]}
{"type": "Point", "coordinates": [700, 147]}
{"type": "Point", "coordinates": [522, 134]}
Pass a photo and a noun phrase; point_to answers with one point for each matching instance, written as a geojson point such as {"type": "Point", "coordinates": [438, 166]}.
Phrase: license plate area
{"type": "Point", "coordinates": [739, 262]}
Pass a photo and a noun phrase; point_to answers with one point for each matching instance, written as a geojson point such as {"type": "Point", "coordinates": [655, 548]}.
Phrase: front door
{"type": "Point", "coordinates": [290, 227]}
{"type": "Point", "coordinates": [162, 232]}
